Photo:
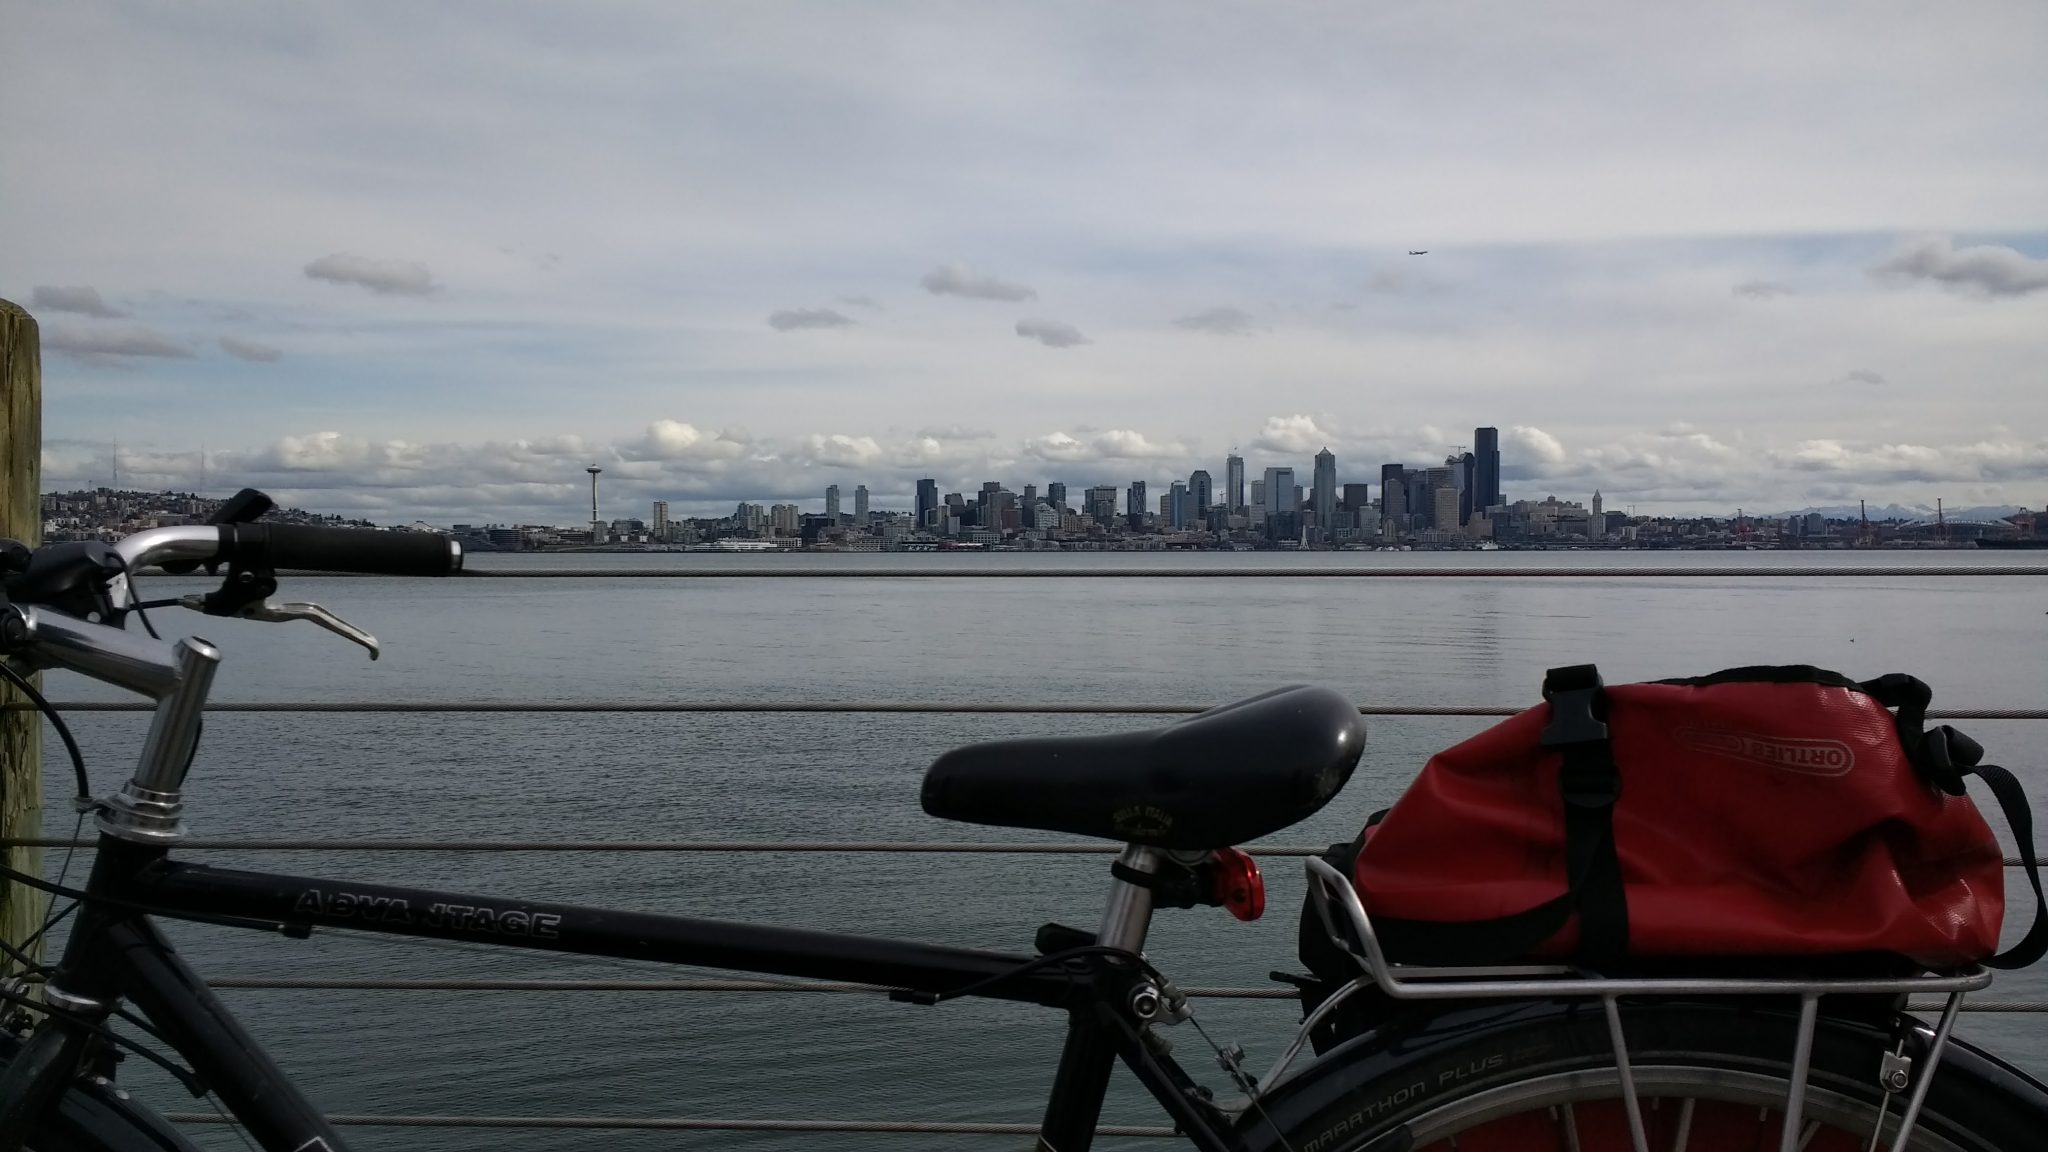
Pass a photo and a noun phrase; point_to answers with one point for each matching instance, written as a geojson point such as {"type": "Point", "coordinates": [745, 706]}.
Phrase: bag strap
{"type": "Point", "coordinates": [1590, 784]}
{"type": "Point", "coordinates": [1946, 756]}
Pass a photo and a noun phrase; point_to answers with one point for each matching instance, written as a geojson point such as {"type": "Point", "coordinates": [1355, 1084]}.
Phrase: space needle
{"type": "Point", "coordinates": [596, 526]}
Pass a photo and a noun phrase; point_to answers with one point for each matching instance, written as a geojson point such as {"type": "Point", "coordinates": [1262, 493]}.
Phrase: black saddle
{"type": "Point", "coordinates": [1220, 778]}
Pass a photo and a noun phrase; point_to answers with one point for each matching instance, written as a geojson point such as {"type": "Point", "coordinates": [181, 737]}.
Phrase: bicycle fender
{"type": "Point", "coordinates": [1369, 1082]}
{"type": "Point", "coordinates": [94, 1115]}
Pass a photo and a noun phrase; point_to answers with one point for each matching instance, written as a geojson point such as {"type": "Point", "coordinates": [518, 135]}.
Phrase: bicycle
{"type": "Point", "coordinates": [1526, 1057]}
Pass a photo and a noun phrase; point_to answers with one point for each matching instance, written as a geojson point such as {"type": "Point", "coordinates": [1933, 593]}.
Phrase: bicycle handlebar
{"type": "Point", "coordinates": [297, 546]}
{"type": "Point", "coordinates": [343, 549]}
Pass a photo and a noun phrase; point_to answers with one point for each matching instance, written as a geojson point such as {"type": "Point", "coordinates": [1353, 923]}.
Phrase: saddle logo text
{"type": "Point", "coordinates": [1809, 757]}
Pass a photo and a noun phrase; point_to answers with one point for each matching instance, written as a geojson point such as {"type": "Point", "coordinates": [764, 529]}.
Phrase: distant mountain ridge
{"type": "Point", "coordinates": [1902, 512]}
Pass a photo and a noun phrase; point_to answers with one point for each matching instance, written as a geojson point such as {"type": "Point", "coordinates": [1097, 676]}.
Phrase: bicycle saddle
{"type": "Point", "coordinates": [1216, 779]}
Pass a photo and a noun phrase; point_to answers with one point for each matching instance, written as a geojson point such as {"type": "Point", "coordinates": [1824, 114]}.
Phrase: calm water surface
{"type": "Point", "coordinates": [1149, 639]}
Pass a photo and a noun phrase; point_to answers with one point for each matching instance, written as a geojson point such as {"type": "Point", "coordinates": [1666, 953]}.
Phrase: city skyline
{"type": "Point", "coordinates": [390, 267]}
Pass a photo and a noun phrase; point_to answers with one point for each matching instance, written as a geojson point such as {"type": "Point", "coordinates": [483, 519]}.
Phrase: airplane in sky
{"type": "Point", "coordinates": [1413, 252]}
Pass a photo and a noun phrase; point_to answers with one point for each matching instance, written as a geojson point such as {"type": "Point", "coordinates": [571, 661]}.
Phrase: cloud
{"type": "Point", "coordinates": [1222, 321]}
{"type": "Point", "coordinates": [1296, 435]}
{"type": "Point", "coordinates": [81, 298]}
{"type": "Point", "coordinates": [1051, 333]}
{"type": "Point", "coordinates": [383, 277]}
{"type": "Point", "coordinates": [788, 320]}
{"type": "Point", "coordinates": [861, 301]}
{"type": "Point", "coordinates": [1981, 270]}
{"type": "Point", "coordinates": [1762, 289]}
{"type": "Point", "coordinates": [89, 343]}
{"type": "Point", "coordinates": [960, 280]}
{"type": "Point", "coordinates": [1112, 445]}
{"type": "Point", "coordinates": [249, 350]}
{"type": "Point", "coordinates": [1860, 376]}
{"type": "Point", "coordinates": [955, 432]}
{"type": "Point", "coordinates": [1538, 453]}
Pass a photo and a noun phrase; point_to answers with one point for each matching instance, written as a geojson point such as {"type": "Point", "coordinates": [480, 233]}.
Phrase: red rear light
{"type": "Point", "coordinates": [1237, 884]}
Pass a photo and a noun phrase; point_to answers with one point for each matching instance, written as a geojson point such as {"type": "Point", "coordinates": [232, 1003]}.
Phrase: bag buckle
{"type": "Point", "coordinates": [1574, 694]}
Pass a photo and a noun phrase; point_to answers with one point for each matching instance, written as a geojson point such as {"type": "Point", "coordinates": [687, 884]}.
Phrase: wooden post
{"type": "Point", "coordinates": [21, 518]}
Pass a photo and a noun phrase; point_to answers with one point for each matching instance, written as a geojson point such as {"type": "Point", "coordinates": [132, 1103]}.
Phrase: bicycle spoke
{"type": "Point", "coordinates": [1684, 1125]}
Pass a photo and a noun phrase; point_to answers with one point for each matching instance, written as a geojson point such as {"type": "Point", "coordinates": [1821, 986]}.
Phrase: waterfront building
{"type": "Point", "coordinates": [1258, 499]}
{"type": "Point", "coordinates": [1486, 491]}
{"type": "Point", "coordinates": [1175, 506]}
{"type": "Point", "coordinates": [927, 503]}
{"type": "Point", "coordinates": [1134, 502]}
{"type": "Point", "coordinates": [832, 501]}
{"type": "Point", "coordinates": [860, 505]}
{"type": "Point", "coordinates": [661, 520]}
{"type": "Point", "coordinates": [1326, 490]}
{"type": "Point", "coordinates": [1233, 483]}
{"type": "Point", "coordinates": [1444, 508]}
{"type": "Point", "coordinates": [786, 519]}
{"type": "Point", "coordinates": [1056, 494]}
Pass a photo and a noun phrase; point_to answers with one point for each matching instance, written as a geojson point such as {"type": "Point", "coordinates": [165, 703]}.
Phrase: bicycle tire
{"type": "Point", "coordinates": [96, 1116]}
{"type": "Point", "coordinates": [1540, 1077]}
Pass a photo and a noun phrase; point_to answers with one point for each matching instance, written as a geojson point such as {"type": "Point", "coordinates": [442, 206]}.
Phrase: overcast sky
{"type": "Point", "coordinates": [430, 260]}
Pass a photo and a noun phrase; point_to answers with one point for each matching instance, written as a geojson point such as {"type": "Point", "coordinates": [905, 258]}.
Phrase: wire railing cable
{"type": "Point", "coordinates": [1030, 708]}
{"type": "Point", "coordinates": [1261, 572]}
{"type": "Point", "coordinates": [687, 1124]}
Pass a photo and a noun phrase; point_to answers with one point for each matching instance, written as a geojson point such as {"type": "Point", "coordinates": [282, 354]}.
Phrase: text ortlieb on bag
{"type": "Point", "coordinates": [1757, 812]}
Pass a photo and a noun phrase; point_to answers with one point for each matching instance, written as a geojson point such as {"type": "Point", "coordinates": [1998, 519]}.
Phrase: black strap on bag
{"type": "Point", "coordinates": [1944, 757]}
{"type": "Point", "coordinates": [1590, 784]}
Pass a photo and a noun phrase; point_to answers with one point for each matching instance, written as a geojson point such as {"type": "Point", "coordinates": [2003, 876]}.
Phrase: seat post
{"type": "Point", "coordinates": [1129, 914]}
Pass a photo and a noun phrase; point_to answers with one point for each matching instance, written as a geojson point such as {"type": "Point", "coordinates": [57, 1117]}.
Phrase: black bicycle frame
{"type": "Point", "coordinates": [116, 952]}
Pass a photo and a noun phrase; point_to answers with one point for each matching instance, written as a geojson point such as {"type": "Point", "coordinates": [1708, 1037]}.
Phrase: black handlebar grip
{"type": "Point", "coordinates": [345, 549]}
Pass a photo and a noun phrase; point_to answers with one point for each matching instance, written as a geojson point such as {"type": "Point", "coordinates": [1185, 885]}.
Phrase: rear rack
{"type": "Point", "coordinates": [1344, 918]}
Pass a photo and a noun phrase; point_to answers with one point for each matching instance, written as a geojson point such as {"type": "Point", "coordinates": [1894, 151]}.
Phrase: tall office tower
{"type": "Point", "coordinates": [1486, 491]}
{"type": "Point", "coordinates": [1280, 491]}
{"type": "Point", "coordinates": [1233, 483]}
{"type": "Point", "coordinates": [1134, 501]}
{"type": "Point", "coordinates": [661, 520]}
{"type": "Point", "coordinates": [1326, 489]}
{"type": "Point", "coordinates": [832, 501]}
{"type": "Point", "coordinates": [1199, 494]}
{"type": "Point", "coordinates": [1030, 495]}
{"type": "Point", "coordinates": [860, 504]}
{"type": "Point", "coordinates": [1258, 499]}
{"type": "Point", "coordinates": [1393, 495]}
{"type": "Point", "coordinates": [927, 503]}
{"type": "Point", "coordinates": [1177, 505]}
{"type": "Point", "coordinates": [1056, 494]}
{"type": "Point", "coordinates": [1101, 503]}
{"type": "Point", "coordinates": [1357, 499]}
{"type": "Point", "coordinates": [1444, 514]}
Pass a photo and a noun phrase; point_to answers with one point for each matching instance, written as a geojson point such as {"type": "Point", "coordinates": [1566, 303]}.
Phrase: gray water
{"type": "Point", "coordinates": [1152, 639]}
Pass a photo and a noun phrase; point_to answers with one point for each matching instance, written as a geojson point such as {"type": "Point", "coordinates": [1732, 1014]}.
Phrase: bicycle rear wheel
{"type": "Point", "coordinates": [1710, 1077]}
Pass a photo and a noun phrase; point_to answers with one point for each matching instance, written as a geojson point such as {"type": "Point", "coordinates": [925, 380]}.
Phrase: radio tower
{"type": "Point", "coordinates": [596, 525]}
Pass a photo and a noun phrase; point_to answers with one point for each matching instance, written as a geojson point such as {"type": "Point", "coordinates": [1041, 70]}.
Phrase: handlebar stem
{"type": "Point", "coordinates": [148, 807]}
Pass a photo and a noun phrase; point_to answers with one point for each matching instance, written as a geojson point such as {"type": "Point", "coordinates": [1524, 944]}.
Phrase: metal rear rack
{"type": "Point", "coordinates": [1344, 918]}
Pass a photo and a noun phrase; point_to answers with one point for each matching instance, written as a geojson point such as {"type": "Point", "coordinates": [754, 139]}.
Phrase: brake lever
{"type": "Point", "coordinates": [271, 611]}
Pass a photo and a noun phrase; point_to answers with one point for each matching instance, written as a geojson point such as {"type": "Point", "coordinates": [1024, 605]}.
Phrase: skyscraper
{"type": "Point", "coordinates": [927, 503]}
{"type": "Point", "coordinates": [860, 505]}
{"type": "Point", "coordinates": [1177, 500]}
{"type": "Point", "coordinates": [1101, 503]}
{"type": "Point", "coordinates": [1279, 491]}
{"type": "Point", "coordinates": [1326, 490]}
{"type": "Point", "coordinates": [1199, 494]}
{"type": "Point", "coordinates": [661, 518]}
{"type": "Point", "coordinates": [832, 500]}
{"type": "Point", "coordinates": [1486, 491]}
{"type": "Point", "coordinates": [1233, 483]}
{"type": "Point", "coordinates": [1134, 501]}
{"type": "Point", "coordinates": [1394, 494]}
{"type": "Point", "coordinates": [1056, 494]}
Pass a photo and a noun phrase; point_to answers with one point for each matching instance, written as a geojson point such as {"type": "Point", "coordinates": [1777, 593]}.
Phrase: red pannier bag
{"type": "Point", "coordinates": [1780, 812]}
